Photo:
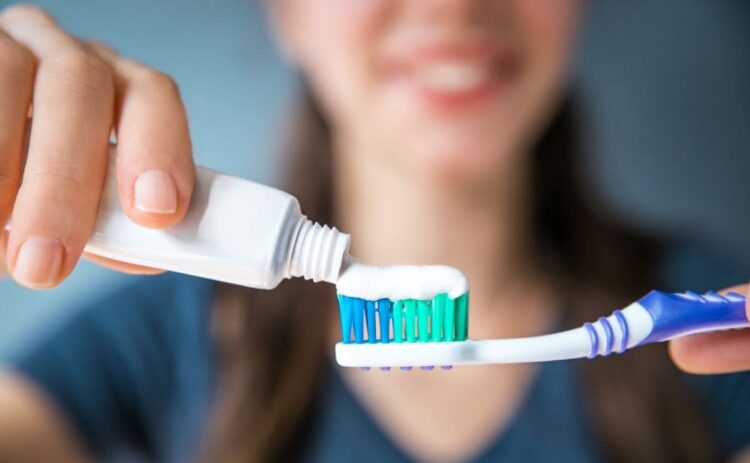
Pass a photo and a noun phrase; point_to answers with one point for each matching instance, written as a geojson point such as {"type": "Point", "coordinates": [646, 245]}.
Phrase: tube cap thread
{"type": "Point", "coordinates": [317, 252]}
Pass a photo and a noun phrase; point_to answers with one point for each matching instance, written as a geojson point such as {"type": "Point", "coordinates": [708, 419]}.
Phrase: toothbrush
{"type": "Point", "coordinates": [433, 333]}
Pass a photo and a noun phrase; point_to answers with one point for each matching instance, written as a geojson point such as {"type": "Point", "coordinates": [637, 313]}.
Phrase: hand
{"type": "Point", "coordinates": [53, 162]}
{"type": "Point", "coordinates": [719, 352]}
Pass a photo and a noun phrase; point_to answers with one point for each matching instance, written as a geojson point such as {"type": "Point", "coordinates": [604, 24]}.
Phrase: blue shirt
{"type": "Point", "coordinates": [134, 372]}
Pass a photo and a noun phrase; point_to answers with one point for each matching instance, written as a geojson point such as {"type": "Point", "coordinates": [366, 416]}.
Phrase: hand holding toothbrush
{"type": "Point", "coordinates": [718, 352]}
{"type": "Point", "coordinates": [81, 92]}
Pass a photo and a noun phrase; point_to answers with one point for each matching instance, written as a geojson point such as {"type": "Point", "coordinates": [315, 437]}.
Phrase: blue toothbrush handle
{"type": "Point", "coordinates": [661, 316]}
{"type": "Point", "coordinates": [675, 315]}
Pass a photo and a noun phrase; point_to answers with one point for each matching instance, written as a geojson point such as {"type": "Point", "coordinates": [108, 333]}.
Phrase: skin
{"type": "Point", "coordinates": [450, 180]}
{"type": "Point", "coordinates": [710, 353]}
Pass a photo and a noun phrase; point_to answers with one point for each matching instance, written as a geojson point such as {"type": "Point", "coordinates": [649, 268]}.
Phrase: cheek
{"type": "Point", "coordinates": [336, 43]}
{"type": "Point", "coordinates": [547, 19]}
{"type": "Point", "coordinates": [546, 30]}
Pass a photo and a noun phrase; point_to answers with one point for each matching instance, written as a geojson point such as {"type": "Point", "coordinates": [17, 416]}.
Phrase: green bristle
{"type": "Point", "coordinates": [423, 320]}
{"type": "Point", "coordinates": [436, 320]}
{"type": "Point", "coordinates": [450, 319]}
{"type": "Point", "coordinates": [438, 317]}
{"type": "Point", "coordinates": [462, 325]}
{"type": "Point", "coordinates": [410, 314]}
{"type": "Point", "coordinates": [398, 321]}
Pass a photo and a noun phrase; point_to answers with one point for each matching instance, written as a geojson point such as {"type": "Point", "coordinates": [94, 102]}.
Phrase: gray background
{"type": "Point", "coordinates": [665, 86]}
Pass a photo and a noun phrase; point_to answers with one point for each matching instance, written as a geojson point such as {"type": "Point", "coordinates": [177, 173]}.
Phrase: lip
{"type": "Point", "coordinates": [451, 76]}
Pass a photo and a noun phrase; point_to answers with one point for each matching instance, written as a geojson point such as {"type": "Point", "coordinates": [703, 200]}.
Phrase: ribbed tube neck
{"type": "Point", "coordinates": [317, 251]}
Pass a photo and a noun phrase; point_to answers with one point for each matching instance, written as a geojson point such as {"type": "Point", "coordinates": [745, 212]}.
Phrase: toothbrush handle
{"type": "Point", "coordinates": [661, 316]}
{"type": "Point", "coordinates": [677, 315]}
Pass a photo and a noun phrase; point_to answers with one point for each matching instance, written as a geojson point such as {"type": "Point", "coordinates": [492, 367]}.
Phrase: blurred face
{"type": "Point", "coordinates": [458, 87]}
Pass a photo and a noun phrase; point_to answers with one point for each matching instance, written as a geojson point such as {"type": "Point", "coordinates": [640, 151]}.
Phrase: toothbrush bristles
{"type": "Point", "coordinates": [440, 319]}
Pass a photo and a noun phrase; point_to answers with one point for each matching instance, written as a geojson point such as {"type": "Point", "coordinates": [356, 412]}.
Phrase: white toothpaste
{"type": "Point", "coordinates": [400, 281]}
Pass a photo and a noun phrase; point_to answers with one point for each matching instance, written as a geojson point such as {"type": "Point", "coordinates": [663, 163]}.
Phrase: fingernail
{"type": "Point", "coordinates": [39, 261]}
{"type": "Point", "coordinates": [155, 193]}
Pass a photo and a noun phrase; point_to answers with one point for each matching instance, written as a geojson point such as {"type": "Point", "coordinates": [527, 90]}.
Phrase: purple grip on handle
{"type": "Point", "coordinates": [676, 314]}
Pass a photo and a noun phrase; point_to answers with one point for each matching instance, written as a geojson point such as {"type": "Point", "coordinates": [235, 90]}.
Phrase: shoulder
{"type": "Point", "coordinates": [148, 308]}
{"type": "Point", "coordinates": [134, 361]}
{"type": "Point", "coordinates": [168, 289]}
{"type": "Point", "coordinates": [158, 311]}
{"type": "Point", "coordinates": [166, 302]}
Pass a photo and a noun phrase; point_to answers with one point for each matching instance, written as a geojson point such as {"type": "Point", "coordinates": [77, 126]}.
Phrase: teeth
{"type": "Point", "coordinates": [451, 76]}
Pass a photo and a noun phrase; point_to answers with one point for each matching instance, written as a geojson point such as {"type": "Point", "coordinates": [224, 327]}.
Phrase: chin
{"type": "Point", "coordinates": [454, 153]}
{"type": "Point", "coordinates": [460, 160]}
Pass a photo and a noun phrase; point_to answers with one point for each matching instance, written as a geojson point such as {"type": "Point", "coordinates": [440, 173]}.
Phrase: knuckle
{"type": "Point", "coordinates": [16, 61]}
{"type": "Point", "coordinates": [26, 12]}
{"type": "Point", "coordinates": [81, 69]}
{"type": "Point", "coordinates": [8, 183]}
{"type": "Point", "coordinates": [10, 170]}
{"type": "Point", "coordinates": [158, 80]}
{"type": "Point", "coordinates": [67, 187]}
{"type": "Point", "coordinates": [100, 47]}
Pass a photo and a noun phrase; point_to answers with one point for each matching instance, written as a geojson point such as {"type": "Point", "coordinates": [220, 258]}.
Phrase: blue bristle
{"type": "Point", "coordinates": [384, 316]}
{"type": "Point", "coordinates": [358, 311]}
{"type": "Point", "coordinates": [371, 324]}
{"type": "Point", "coordinates": [345, 310]}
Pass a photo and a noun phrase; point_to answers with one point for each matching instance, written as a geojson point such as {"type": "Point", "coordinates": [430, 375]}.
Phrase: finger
{"type": "Point", "coordinates": [57, 202]}
{"type": "Point", "coordinates": [155, 168]}
{"type": "Point", "coordinates": [745, 289]}
{"type": "Point", "coordinates": [708, 353]}
{"type": "Point", "coordinates": [16, 84]}
{"type": "Point", "coordinates": [122, 266]}
{"type": "Point", "coordinates": [741, 289]}
{"type": "Point", "coordinates": [714, 352]}
{"type": "Point", "coordinates": [3, 244]}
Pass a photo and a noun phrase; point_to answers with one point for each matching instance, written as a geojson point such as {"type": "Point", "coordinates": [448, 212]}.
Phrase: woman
{"type": "Point", "coordinates": [433, 132]}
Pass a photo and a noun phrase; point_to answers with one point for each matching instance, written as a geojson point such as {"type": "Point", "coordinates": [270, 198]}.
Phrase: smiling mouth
{"type": "Point", "coordinates": [451, 77]}
{"type": "Point", "coordinates": [446, 77]}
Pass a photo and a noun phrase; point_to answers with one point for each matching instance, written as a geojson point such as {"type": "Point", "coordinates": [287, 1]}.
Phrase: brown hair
{"type": "Point", "coordinates": [272, 345]}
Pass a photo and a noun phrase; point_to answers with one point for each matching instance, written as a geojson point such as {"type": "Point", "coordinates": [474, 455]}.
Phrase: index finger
{"type": "Point", "coordinates": [155, 170]}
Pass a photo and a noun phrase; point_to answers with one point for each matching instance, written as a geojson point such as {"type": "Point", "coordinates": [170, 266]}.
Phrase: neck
{"type": "Point", "coordinates": [483, 229]}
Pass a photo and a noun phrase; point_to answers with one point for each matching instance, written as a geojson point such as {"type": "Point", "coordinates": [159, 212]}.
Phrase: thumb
{"type": "Point", "coordinates": [745, 291]}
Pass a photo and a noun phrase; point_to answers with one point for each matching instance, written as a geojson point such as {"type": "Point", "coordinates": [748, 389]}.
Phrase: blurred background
{"type": "Point", "coordinates": [665, 87]}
